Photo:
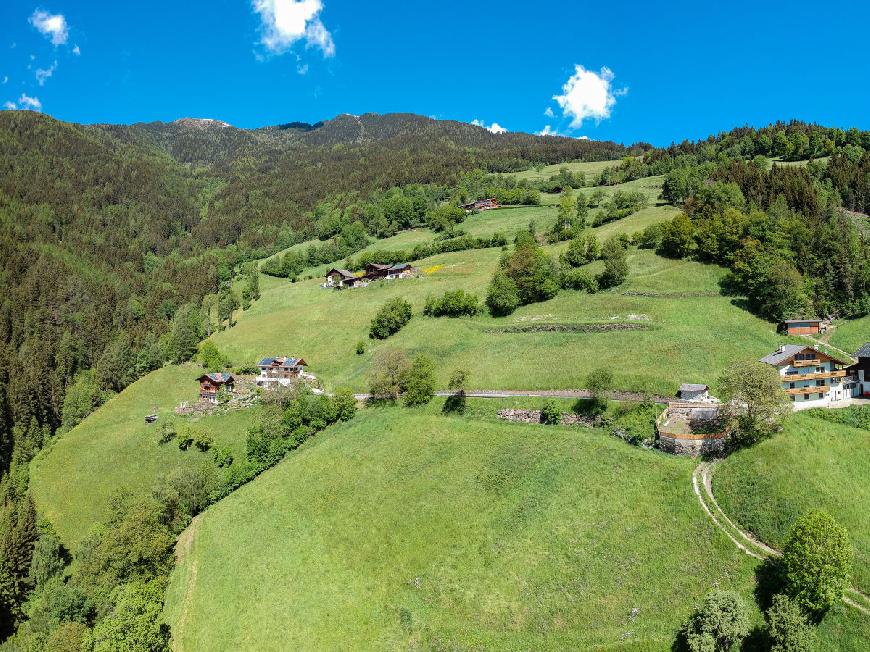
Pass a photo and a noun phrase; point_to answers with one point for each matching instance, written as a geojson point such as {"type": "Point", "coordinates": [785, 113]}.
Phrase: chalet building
{"type": "Point", "coordinates": [282, 370]}
{"type": "Point", "coordinates": [803, 326]}
{"type": "Point", "coordinates": [862, 370]}
{"type": "Point", "coordinates": [340, 278]}
{"type": "Point", "coordinates": [812, 378]}
{"type": "Point", "coordinates": [481, 205]}
{"type": "Point", "coordinates": [376, 271]}
{"type": "Point", "coordinates": [400, 270]}
{"type": "Point", "coordinates": [693, 392]}
{"type": "Point", "coordinates": [210, 385]}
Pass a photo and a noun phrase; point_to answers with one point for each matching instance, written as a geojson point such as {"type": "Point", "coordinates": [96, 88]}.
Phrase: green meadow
{"type": "Point", "coordinates": [114, 448]}
{"type": "Point", "coordinates": [812, 464]}
{"type": "Point", "coordinates": [406, 529]}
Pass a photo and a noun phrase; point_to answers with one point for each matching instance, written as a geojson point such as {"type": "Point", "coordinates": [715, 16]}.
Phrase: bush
{"type": "Point", "coordinates": [390, 318]}
{"type": "Point", "coordinates": [582, 250]}
{"type": "Point", "coordinates": [578, 279]}
{"type": "Point", "coordinates": [360, 347]}
{"type": "Point", "coordinates": [719, 624]}
{"type": "Point", "coordinates": [419, 386]}
{"type": "Point", "coordinates": [456, 402]}
{"type": "Point", "coordinates": [222, 456]}
{"type": "Point", "coordinates": [454, 303]}
{"type": "Point", "coordinates": [388, 373]}
{"type": "Point", "coordinates": [203, 441]}
{"type": "Point", "coordinates": [185, 439]}
{"type": "Point", "coordinates": [787, 627]}
{"type": "Point", "coordinates": [817, 560]}
{"type": "Point", "coordinates": [551, 415]}
{"type": "Point", "coordinates": [211, 358]}
{"type": "Point", "coordinates": [503, 297]}
{"type": "Point", "coordinates": [615, 264]}
{"type": "Point", "coordinates": [344, 403]}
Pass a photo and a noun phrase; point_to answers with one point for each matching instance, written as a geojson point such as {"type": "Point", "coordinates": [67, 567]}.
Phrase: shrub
{"type": "Point", "coordinates": [582, 250]}
{"type": "Point", "coordinates": [502, 297]}
{"type": "Point", "coordinates": [360, 347]}
{"type": "Point", "coordinates": [615, 264]}
{"type": "Point", "coordinates": [787, 627]}
{"type": "Point", "coordinates": [222, 456]}
{"type": "Point", "coordinates": [390, 318]}
{"type": "Point", "coordinates": [185, 439]}
{"type": "Point", "coordinates": [344, 403]}
{"type": "Point", "coordinates": [211, 358]}
{"type": "Point", "coordinates": [579, 279]}
{"type": "Point", "coordinates": [456, 402]}
{"type": "Point", "coordinates": [817, 560]}
{"type": "Point", "coordinates": [551, 415]}
{"type": "Point", "coordinates": [167, 432]}
{"type": "Point", "coordinates": [720, 623]}
{"type": "Point", "coordinates": [454, 303]}
{"type": "Point", "coordinates": [388, 373]}
{"type": "Point", "coordinates": [203, 441]}
{"type": "Point", "coordinates": [419, 386]}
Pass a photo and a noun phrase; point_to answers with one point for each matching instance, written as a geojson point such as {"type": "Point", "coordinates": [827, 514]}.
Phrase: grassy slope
{"type": "Point", "coordinates": [114, 448]}
{"type": "Point", "coordinates": [812, 464]}
{"type": "Point", "coordinates": [852, 335]}
{"type": "Point", "coordinates": [691, 340]}
{"type": "Point", "coordinates": [408, 529]}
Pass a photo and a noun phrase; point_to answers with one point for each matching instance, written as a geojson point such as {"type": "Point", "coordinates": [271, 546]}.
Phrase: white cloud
{"type": "Point", "coordinates": [582, 137]}
{"type": "Point", "coordinates": [42, 74]}
{"type": "Point", "coordinates": [5, 79]}
{"type": "Point", "coordinates": [77, 50]}
{"type": "Point", "coordinates": [494, 128]}
{"type": "Point", "coordinates": [25, 102]}
{"type": "Point", "coordinates": [587, 94]}
{"type": "Point", "coordinates": [286, 21]}
{"type": "Point", "coordinates": [547, 131]}
{"type": "Point", "coordinates": [52, 26]}
{"type": "Point", "coordinates": [549, 112]}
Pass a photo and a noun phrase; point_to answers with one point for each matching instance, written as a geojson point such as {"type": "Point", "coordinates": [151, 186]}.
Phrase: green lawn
{"type": "Point", "coordinates": [114, 448]}
{"type": "Point", "coordinates": [813, 464]}
{"type": "Point", "coordinates": [406, 529]}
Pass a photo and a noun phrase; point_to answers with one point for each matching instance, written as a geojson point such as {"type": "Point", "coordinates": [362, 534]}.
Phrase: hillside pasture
{"type": "Point", "coordinates": [683, 330]}
{"type": "Point", "coordinates": [113, 449]}
{"type": "Point", "coordinates": [408, 529]}
{"type": "Point", "coordinates": [812, 464]}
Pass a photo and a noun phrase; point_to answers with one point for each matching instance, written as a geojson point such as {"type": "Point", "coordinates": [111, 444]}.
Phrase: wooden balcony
{"type": "Point", "coordinates": [806, 363]}
{"type": "Point", "coordinates": [812, 391]}
{"type": "Point", "coordinates": [790, 378]}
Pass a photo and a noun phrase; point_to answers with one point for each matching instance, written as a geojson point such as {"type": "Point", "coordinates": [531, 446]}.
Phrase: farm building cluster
{"type": "Point", "coordinates": [481, 205]}
{"type": "Point", "coordinates": [275, 371]}
{"type": "Point", "coordinates": [811, 378]}
{"type": "Point", "coordinates": [341, 278]}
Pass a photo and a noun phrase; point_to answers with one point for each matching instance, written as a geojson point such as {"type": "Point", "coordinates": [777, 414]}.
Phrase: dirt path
{"type": "Point", "coordinates": [702, 485]}
{"type": "Point", "coordinates": [182, 551]}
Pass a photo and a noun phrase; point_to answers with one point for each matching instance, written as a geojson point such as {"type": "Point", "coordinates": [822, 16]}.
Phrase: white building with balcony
{"type": "Point", "coordinates": [812, 378]}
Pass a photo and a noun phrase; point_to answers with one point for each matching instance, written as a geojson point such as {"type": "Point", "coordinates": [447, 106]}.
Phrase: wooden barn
{"type": "Point", "coordinates": [210, 385]}
{"type": "Point", "coordinates": [803, 326]}
{"type": "Point", "coordinates": [341, 278]}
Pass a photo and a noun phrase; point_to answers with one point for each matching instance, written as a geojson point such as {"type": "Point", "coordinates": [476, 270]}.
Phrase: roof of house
{"type": "Point", "coordinates": [803, 321]}
{"type": "Point", "coordinates": [864, 351]}
{"type": "Point", "coordinates": [693, 387]}
{"type": "Point", "coordinates": [219, 378]}
{"type": "Point", "coordinates": [400, 266]}
{"type": "Point", "coordinates": [283, 361]}
{"type": "Point", "coordinates": [378, 265]}
{"type": "Point", "coordinates": [785, 352]}
{"type": "Point", "coordinates": [343, 272]}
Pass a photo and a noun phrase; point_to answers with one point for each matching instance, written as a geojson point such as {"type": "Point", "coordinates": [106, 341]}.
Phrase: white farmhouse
{"type": "Point", "coordinates": [812, 378]}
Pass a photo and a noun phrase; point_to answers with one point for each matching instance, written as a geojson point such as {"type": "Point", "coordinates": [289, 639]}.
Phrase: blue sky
{"type": "Point", "coordinates": [617, 70]}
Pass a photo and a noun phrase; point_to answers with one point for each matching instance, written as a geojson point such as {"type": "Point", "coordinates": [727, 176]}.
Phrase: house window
{"type": "Point", "coordinates": [820, 383]}
{"type": "Point", "coordinates": [806, 397]}
{"type": "Point", "coordinates": [821, 396]}
{"type": "Point", "coordinates": [791, 385]}
{"type": "Point", "coordinates": [792, 398]}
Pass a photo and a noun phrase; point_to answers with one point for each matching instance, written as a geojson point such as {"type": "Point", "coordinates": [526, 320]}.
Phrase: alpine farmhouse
{"type": "Point", "coordinates": [812, 378]}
